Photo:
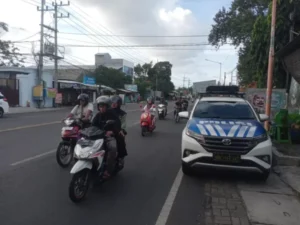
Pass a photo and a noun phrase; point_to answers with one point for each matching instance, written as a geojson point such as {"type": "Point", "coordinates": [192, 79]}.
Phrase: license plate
{"type": "Point", "coordinates": [229, 158]}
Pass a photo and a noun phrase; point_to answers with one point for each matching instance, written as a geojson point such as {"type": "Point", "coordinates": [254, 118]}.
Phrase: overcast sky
{"type": "Point", "coordinates": [128, 18]}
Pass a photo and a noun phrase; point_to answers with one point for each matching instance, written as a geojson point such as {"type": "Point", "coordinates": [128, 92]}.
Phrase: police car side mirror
{"type": "Point", "coordinates": [263, 117]}
{"type": "Point", "coordinates": [184, 114]}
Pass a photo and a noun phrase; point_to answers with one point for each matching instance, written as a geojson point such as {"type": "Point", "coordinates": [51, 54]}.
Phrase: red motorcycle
{"type": "Point", "coordinates": [69, 135]}
{"type": "Point", "coordinates": [147, 125]}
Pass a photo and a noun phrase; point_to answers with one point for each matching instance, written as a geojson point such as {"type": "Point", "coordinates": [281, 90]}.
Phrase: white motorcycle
{"type": "Point", "coordinates": [162, 111]}
{"type": "Point", "coordinates": [90, 152]}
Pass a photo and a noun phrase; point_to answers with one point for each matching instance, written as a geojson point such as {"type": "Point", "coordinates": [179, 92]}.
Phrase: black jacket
{"type": "Point", "coordinates": [101, 118]}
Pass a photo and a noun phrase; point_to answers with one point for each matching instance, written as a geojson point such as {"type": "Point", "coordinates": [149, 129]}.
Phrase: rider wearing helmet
{"type": "Point", "coordinates": [106, 113]}
{"type": "Point", "coordinates": [83, 110]}
{"type": "Point", "coordinates": [150, 107]}
{"type": "Point", "coordinates": [116, 106]}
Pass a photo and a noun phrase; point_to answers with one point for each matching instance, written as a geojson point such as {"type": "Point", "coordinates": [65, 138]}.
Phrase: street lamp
{"type": "Point", "coordinates": [220, 68]}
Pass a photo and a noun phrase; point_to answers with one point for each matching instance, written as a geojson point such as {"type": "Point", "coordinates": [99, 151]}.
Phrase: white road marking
{"type": "Point", "coordinates": [50, 152]}
{"type": "Point", "coordinates": [30, 126]}
{"type": "Point", "coordinates": [33, 158]}
{"type": "Point", "coordinates": [166, 209]}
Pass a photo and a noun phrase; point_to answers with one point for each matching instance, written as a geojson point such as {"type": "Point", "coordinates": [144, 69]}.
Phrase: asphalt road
{"type": "Point", "coordinates": [34, 189]}
{"type": "Point", "coordinates": [151, 190]}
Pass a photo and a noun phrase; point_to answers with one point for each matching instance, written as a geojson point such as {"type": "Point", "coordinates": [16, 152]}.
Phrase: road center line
{"type": "Point", "coordinates": [166, 209]}
{"type": "Point", "coordinates": [50, 152]}
{"type": "Point", "coordinates": [30, 126]}
{"type": "Point", "coordinates": [33, 157]}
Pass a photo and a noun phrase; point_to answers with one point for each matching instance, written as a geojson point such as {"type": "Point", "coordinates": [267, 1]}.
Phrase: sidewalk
{"type": "Point", "coordinates": [287, 166]}
{"type": "Point", "coordinates": [270, 203]}
{"type": "Point", "coordinates": [18, 110]}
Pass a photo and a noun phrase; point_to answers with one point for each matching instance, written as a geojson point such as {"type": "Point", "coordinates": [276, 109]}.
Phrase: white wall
{"type": "Point", "coordinates": [25, 87]}
{"type": "Point", "coordinates": [26, 84]}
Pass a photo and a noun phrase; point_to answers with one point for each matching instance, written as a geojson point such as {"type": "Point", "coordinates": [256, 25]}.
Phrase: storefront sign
{"type": "Point", "coordinates": [89, 80]}
{"type": "Point", "coordinates": [51, 92]}
{"type": "Point", "coordinates": [58, 98]}
{"type": "Point", "coordinates": [131, 87]}
{"type": "Point", "coordinates": [69, 85]}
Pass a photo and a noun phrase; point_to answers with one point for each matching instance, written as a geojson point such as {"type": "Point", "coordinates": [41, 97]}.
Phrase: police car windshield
{"type": "Point", "coordinates": [224, 110]}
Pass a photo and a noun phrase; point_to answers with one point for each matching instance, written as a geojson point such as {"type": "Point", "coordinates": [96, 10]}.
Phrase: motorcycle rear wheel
{"type": "Point", "coordinates": [79, 186]}
{"type": "Point", "coordinates": [60, 152]}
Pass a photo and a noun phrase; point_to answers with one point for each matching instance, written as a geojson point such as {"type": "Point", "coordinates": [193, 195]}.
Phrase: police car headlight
{"type": "Point", "coordinates": [194, 135]}
{"type": "Point", "coordinates": [261, 138]}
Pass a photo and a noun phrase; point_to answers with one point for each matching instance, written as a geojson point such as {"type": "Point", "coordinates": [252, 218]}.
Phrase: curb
{"type": "Point", "coordinates": [285, 160]}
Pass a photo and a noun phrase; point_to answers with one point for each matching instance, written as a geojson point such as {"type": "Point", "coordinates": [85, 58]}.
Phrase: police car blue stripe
{"type": "Point", "coordinates": [222, 128]}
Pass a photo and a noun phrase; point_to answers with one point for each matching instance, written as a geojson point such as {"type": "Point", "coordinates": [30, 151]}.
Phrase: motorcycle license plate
{"type": "Point", "coordinates": [226, 158]}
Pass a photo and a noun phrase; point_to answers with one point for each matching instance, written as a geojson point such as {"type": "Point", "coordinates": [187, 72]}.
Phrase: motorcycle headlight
{"type": "Point", "coordinates": [194, 135]}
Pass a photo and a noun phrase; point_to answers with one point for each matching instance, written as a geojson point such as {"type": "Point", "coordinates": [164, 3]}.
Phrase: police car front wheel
{"type": "Point", "coordinates": [264, 176]}
{"type": "Point", "coordinates": [187, 170]}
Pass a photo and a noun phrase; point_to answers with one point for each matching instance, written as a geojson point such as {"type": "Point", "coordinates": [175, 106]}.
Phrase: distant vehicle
{"type": "Point", "coordinates": [4, 106]}
{"type": "Point", "coordinates": [223, 131]}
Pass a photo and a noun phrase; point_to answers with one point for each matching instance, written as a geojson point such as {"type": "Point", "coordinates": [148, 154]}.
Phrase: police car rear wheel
{"type": "Point", "coordinates": [187, 170]}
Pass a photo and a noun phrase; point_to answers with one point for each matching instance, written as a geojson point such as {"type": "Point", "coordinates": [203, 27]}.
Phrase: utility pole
{"type": "Point", "coordinates": [271, 64]}
{"type": "Point", "coordinates": [40, 64]}
{"type": "Point", "coordinates": [291, 37]}
{"type": "Point", "coordinates": [183, 81]}
{"type": "Point", "coordinates": [56, 17]}
{"type": "Point", "coordinates": [224, 78]}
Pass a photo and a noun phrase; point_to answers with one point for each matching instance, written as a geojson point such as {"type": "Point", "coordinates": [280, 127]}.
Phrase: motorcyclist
{"type": "Point", "coordinates": [178, 105]}
{"type": "Point", "coordinates": [83, 110]}
{"type": "Point", "coordinates": [150, 108]}
{"type": "Point", "coordinates": [165, 103]}
{"type": "Point", "coordinates": [106, 113]}
{"type": "Point", "coordinates": [116, 106]}
{"type": "Point", "coordinates": [186, 102]}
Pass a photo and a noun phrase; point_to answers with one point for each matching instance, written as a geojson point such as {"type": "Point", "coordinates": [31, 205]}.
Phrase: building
{"type": "Point", "coordinates": [200, 87]}
{"type": "Point", "coordinates": [104, 59]}
{"type": "Point", "coordinates": [16, 84]}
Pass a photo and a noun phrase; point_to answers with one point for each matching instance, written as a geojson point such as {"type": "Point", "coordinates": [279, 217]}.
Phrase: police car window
{"type": "Point", "coordinates": [223, 110]}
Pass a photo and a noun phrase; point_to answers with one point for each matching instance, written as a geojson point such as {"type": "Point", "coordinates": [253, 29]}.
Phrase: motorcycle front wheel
{"type": "Point", "coordinates": [64, 154]}
{"type": "Point", "coordinates": [79, 186]}
{"type": "Point", "coordinates": [143, 130]}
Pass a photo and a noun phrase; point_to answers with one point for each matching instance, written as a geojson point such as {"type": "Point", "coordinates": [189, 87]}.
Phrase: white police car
{"type": "Point", "coordinates": [225, 132]}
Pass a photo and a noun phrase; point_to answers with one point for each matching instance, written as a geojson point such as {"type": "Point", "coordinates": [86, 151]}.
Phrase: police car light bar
{"type": "Point", "coordinates": [222, 91]}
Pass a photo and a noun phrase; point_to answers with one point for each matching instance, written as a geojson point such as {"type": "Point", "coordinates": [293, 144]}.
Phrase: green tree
{"type": "Point", "coordinates": [147, 75]}
{"type": "Point", "coordinates": [111, 77]}
{"type": "Point", "coordinates": [9, 55]}
{"type": "Point", "coordinates": [247, 24]}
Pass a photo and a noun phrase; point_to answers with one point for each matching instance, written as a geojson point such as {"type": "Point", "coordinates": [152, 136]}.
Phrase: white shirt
{"type": "Point", "coordinates": [78, 111]}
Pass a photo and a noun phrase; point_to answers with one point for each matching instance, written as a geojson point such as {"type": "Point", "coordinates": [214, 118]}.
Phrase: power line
{"type": "Point", "coordinates": [138, 46]}
{"type": "Point", "coordinates": [139, 36]}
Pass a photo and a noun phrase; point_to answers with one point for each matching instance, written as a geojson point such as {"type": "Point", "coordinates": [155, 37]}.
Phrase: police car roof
{"type": "Point", "coordinates": [222, 99]}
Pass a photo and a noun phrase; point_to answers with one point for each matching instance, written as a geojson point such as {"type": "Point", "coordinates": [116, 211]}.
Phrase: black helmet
{"type": "Point", "coordinates": [116, 99]}
{"type": "Point", "coordinates": [83, 97]}
{"type": "Point", "coordinates": [103, 100]}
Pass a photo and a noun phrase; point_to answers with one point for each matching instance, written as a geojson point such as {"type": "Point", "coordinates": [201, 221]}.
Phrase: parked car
{"type": "Point", "coordinates": [225, 133]}
{"type": "Point", "coordinates": [4, 107]}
